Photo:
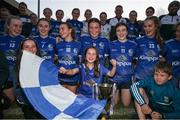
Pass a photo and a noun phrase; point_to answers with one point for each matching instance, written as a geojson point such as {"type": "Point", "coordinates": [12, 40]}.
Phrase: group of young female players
{"type": "Point", "coordinates": [82, 61]}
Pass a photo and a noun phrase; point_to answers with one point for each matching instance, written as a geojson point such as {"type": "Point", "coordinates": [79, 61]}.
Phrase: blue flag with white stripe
{"type": "Point", "coordinates": [39, 81]}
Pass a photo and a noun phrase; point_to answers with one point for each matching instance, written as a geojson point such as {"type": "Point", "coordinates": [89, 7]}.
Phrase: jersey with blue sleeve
{"type": "Point", "coordinates": [87, 77]}
{"type": "Point", "coordinates": [101, 44]}
{"type": "Point", "coordinates": [9, 46]}
{"type": "Point", "coordinates": [147, 53]}
{"type": "Point", "coordinates": [77, 25]}
{"type": "Point", "coordinates": [123, 53]}
{"type": "Point", "coordinates": [54, 28]}
{"type": "Point", "coordinates": [68, 57]}
{"type": "Point", "coordinates": [133, 30]}
{"type": "Point", "coordinates": [171, 52]}
{"type": "Point", "coordinates": [34, 31]}
{"type": "Point", "coordinates": [162, 98]}
{"type": "Point", "coordinates": [47, 47]}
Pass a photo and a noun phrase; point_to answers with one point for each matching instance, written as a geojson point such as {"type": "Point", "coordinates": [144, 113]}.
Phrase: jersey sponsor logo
{"type": "Point", "coordinates": [143, 57]}
{"type": "Point", "coordinates": [149, 56]}
{"type": "Point", "coordinates": [176, 63]}
{"type": "Point", "coordinates": [89, 83]}
{"type": "Point", "coordinates": [67, 60]}
{"type": "Point", "coordinates": [47, 57]}
{"type": "Point", "coordinates": [122, 61]}
{"type": "Point", "coordinates": [11, 55]}
{"type": "Point", "coordinates": [121, 58]}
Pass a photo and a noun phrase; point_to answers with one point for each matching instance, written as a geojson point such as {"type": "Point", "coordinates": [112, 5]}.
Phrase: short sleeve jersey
{"type": "Point", "coordinates": [87, 76]}
{"type": "Point", "coordinates": [68, 57]}
{"type": "Point", "coordinates": [9, 46]}
{"type": "Point", "coordinates": [147, 53]}
{"type": "Point", "coordinates": [47, 47]}
{"type": "Point", "coordinates": [123, 53]}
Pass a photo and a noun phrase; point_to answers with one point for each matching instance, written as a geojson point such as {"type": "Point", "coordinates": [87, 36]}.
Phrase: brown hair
{"type": "Point", "coordinates": [157, 34]}
{"type": "Point", "coordinates": [163, 66]}
{"type": "Point", "coordinates": [96, 63]}
{"type": "Point", "coordinates": [73, 33]}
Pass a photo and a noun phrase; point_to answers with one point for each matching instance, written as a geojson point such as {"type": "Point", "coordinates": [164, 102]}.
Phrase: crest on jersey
{"type": "Point", "coordinates": [75, 50]}
{"type": "Point", "coordinates": [101, 44]}
{"type": "Point", "coordinates": [130, 52]}
{"type": "Point", "coordinates": [50, 47]}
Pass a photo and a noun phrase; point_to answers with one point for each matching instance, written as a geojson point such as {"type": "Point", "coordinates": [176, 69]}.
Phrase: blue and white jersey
{"type": "Point", "coordinates": [68, 57]}
{"type": "Point", "coordinates": [147, 53]}
{"type": "Point", "coordinates": [34, 31]}
{"type": "Point", "coordinates": [102, 45]}
{"type": "Point", "coordinates": [47, 47]}
{"type": "Point", "coordinates": [171, 52]}
{"type": "Point", "coordinates": [88, 77]}
{"type": "Point", "coordinates": [123, 53]}
{"type": "Point", "coordinates": [54, 28]}
{"type": "Point", "coordinates": [9, 46]}
{"type": "Point", "coordinates": [77, 25]}
{"type": "Point", "coordinates": [105, 30]}
{"type": "Point", "coordinates": [133, 30]}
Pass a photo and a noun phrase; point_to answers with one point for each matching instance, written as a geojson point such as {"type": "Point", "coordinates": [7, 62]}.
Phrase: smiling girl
{"type": "Point", "coordinates": [45, 42]}
{"type": "Point", "coordinates": [68, 56]}
{"type": "Point", "coordinates": [91, 71]}
{"type": "Point", "coordinates": [122, 50]}
{"type": "Point", "coordinates": [148, 48]}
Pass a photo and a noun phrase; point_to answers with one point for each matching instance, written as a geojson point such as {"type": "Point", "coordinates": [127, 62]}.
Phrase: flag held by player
{"type": "Point", "coordinates": [39, 80]}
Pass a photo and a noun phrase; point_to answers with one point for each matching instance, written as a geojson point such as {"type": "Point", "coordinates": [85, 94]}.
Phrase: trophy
{"type": "Point", "coordinates": [105, 91]}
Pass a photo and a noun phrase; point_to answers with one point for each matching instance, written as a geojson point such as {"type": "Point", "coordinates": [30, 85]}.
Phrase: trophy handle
{"type": "Point", "coordinates": [95, 91]}
{"type": "Point", "coordinates": [111, 110]}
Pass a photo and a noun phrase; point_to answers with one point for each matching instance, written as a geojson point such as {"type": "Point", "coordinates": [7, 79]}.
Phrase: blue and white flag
{"type": "Point", "coordinates": [39, 81]}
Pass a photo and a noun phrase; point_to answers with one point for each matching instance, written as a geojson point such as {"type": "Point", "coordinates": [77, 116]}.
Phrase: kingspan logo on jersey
{"type": "Point", "coordinates": [67, 60]}
{"type": "Point", "coordinates": [149, 56]}
{"type": "Point", "coordinates": [45, 55]}
{"type": "Point", "coordinates": [11, 55]}
{"type": "Point", "coordinates": [121, 61]}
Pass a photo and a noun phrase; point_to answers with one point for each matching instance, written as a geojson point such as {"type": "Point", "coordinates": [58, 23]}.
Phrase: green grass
{"type": "Point", "coordinates": [14, 112]}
